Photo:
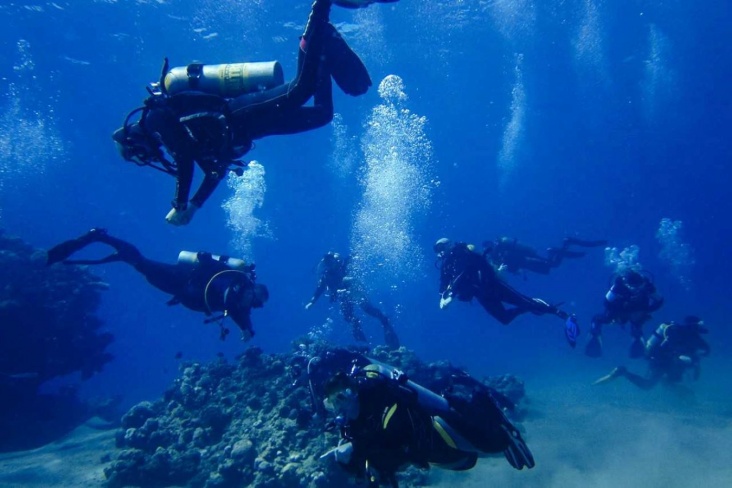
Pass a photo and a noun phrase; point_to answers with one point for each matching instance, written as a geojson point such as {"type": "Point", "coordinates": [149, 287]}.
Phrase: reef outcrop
{"type": "Point", "coordinates": [48, 329]}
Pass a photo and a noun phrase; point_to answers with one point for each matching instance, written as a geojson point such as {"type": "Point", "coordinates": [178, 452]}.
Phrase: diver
{"type": "Point", "coordinates": [632, 297]}
{"type": "Point", "coordinates": [388, 422]}
{"type": "Point", "coordinates": [211, 115]}
{"type": "Point", "coordinates": [509, 254]}
{"type": "Point", "coordinates": [349, 292]}
{"type": "Point", "coordinates": [199, 281]}
{"type": "Point", "coordinates": [671, 351]}
{"type": "Point", "coordinates": [466, 274]}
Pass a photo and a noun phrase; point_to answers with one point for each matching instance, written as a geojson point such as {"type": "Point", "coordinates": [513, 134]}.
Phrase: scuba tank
{"type": "Point", "coordinates": [656, 339]}
{"type": "Point", "coordinates": [611, 294]}
{"type": "Point", "coordinates": [226, 80]}
{"type": "Point", "coordinates": [191, 258]}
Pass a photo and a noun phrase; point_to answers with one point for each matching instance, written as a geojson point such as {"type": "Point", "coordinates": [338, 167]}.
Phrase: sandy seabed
{"type": "Point", "coordinates": [619, 437]}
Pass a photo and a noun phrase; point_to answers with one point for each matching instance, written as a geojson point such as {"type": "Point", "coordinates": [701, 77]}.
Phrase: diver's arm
{"type": "Point", "coordinates": [318, 290]}
{"type": "Point", "coordinates": [184, 178]}
{"type": "Point", "coordinates": [208, 185]}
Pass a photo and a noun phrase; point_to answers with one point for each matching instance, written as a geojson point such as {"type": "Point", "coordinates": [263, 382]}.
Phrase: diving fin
{"type": "Point", "coordinates": [346, 68]}
{"type": "Point", "coordinates": [615, 373]}
{"type": "Point", "coordinates": [61, 252]}
{"type": "Point", "coordinates": [390, 337]}
{"type": "Point", "coordinates": [517, 452]}
{"type": "Point", "coordinates": [593, 348]}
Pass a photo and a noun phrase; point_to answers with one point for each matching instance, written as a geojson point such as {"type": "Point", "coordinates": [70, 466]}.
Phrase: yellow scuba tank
{"type": "Point", "coordinates": [191, 258]}
{"type": "Point", "coordinates": [226, 80]}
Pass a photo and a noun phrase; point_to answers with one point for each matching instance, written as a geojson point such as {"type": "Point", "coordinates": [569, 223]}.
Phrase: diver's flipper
{"type": "Point", "coordinates": [615, 373]}
{"type": "Point", "coordinates": [62, 251]}
{"type": "Point", "coordinates": [571, 330]}
{"type": "Point", "coordinates": [579, 242]}
{"type": "Point", "coordinates": [346, 68]}
{"type": "Point", "coordinates": [358, 334]}
{"type": "Point", "coordinates": [390, 337]}
{"type": "Point", "coordinates": [593, 348]}
{"type": "Point", "coordinates": [637, 350]}
{"type": "Point", "coordinates": [517, 453]}
{"type": "Point", "coordinates": [359, 3]}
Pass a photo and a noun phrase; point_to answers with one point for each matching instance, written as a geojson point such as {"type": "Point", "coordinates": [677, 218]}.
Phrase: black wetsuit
{"type": "Point", "coordinates": [209, 286]}
{"type": "Point", "coordinates": [393, 429]}
{"type": "Point", "coordinates": [673, 342]}
{"type": "Point", "coordinates": [516, 256]}
{"type": "Point", "coordinates": [629, 300]}
{"type": "Point", "coordinates": [213, 132]}
{"type": "Point", "coordinates": [466, 274]}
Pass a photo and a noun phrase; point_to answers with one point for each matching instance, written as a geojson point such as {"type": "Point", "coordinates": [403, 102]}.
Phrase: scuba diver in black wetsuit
{"type": "Point", "coordinates": [466, 274]}
{"type": "Point", "coordinates": [199, 281]}
{"type": "Point", "coordinates": [672, 350]}
{"type": "Point", "coordinates": [211, 115]}
{"type": "Point", "coordinates": [509, 254]}
{"type": "Point", "coordinates": [631, 298]}
{"type": "Point", "coordinates": [387, 421]}
{"type": "Point", "coordinates": [349, 292]}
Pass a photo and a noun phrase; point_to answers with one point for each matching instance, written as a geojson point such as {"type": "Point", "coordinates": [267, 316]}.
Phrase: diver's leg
{"type": "Point", "coordinates": [296, 92]}
{"type": "Point", "coordinates": [390, 337]}
{"type": "Point", "coordinates": [593, 348]}
{"type": "Point", "coordinates": [493, 306]}
{"type": "Point", "coordinates": [637, 349]}
{"type": "Point", "coordinates": [569, 241]}
{"type": "Point", "coordinates": [168, 278]}
{"type": "Point", "coordinates": [350, 317]}
{"type": "Point", "coordinates": [537, 264]}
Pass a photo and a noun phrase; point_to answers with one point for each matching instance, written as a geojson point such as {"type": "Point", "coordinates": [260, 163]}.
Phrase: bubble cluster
{"type": "Point", "coordinates": [249, 190]}
{"type": "Point", "coordinates": [29, 139]}
{"type": "Point", "coordinates": [658, 79]}
{"type": "Point", "coordinates": [321, 332]}
{"type": "Point", "coordinates": [396, 188]}
{"type": "Point", "coordinates": [514, 130]}
{"type": "Point", "coordinates": [345, 148]}
{"type": "Point", "coordinates": [620, 261]}
{"type": "Point", "coordinates": [677, 254]}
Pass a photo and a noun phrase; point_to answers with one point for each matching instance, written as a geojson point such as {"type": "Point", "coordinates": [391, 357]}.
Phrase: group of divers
{"type": "Point", "coordinates": [209, 116]}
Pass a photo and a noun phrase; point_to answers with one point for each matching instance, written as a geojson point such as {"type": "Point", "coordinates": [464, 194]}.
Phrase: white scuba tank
{"type": "Point", "coordinates": [611, 296]}
{"type": "Point", "coordinates": [226, 80]}
{"type": "Point", "coordinates": [656, 338]}
{"type": "Point", "coordinates": [191, 258]}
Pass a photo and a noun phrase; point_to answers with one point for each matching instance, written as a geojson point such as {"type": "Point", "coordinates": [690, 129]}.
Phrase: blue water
{"type": "Point", "coordinates": [530, 119]}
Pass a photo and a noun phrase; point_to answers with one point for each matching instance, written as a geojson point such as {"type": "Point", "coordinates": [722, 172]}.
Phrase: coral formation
{"type": "Point", "coordinates": [49, 329]}
{"type": "Point", "coordinates": [249, 423]}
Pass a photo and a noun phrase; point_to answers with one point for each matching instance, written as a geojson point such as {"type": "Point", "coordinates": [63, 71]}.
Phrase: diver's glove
{"type": "Point", "coordinates": [181, 217]}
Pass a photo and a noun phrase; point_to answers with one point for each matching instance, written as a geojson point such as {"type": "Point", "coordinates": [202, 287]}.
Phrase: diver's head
{"type": "Point", "coordinates": [331, 260]}
{"type": "Point", "coordinates": [341, 396]}
{"type": "Point", "coordinates": [134, 145]}
{"type": "Point", "coordinates": [254, 296]}
{"type": "Point", "coordinates": [441, 246]}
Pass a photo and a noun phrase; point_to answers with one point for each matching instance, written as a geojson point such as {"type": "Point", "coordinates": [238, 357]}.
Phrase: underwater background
{"type": "Point", "coordinates": [535, 120]}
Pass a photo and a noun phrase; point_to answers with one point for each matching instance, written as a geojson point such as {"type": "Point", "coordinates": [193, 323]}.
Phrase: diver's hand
{"type": "Point", "coordinates": [308, 305]}
{"type": "Point", "coordinates": [686, 360]}
{"type": "Point", "coordinates": [445, 300]}
{"type": "Point", "coordinates": [181, 217]}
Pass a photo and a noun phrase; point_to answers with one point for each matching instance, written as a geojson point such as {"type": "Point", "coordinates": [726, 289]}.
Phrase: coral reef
{"type": "Point", "coordinates": [48, 329]}
{"type": "Point", "coordinates": [249, 423]}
